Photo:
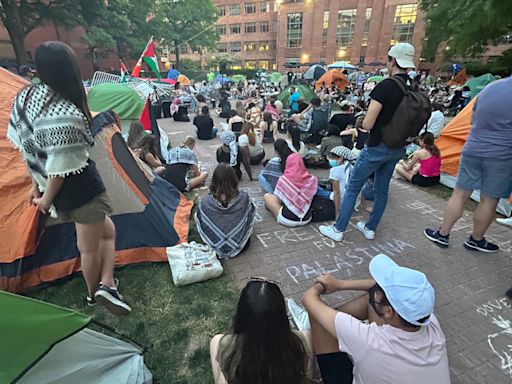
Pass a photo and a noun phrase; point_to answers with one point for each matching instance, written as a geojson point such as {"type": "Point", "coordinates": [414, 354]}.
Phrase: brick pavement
{"type": "Point", "coordinates": [470, 303]}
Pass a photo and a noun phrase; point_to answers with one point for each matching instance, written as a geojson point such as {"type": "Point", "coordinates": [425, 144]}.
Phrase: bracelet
{"type": "Point", "coordinates": [323, 285]}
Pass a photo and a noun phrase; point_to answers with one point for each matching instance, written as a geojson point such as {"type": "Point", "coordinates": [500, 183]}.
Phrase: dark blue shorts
{"type": "Point", "coordinates": [335, 368]}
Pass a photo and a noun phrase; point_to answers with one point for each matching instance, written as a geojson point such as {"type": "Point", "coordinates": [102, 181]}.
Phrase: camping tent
{"type": "Point", "coordinates": [150, 214]}
{"type": "Point", "coordinates": [341, 65]}
{"type": "Point", "coordinates": [43, 343]}
{"type": "Point", "coordinates": [450, 143]}
{"type": "Point", "coordinates": [314, 72]}
{"type": "Point", "coordinates": [303, 90]}
{"type": "Point", "coordinates": [476, 84]}
{"type": "Point", "coordinates": [182, 79]}
{"type": "Point", "coordinates": [333, 76]}
{"type": "Point", "coordinates": [118, 97]}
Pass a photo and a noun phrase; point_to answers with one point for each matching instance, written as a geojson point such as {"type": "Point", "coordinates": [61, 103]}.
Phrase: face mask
{"type": "Point", "coordinates": [333, 163]}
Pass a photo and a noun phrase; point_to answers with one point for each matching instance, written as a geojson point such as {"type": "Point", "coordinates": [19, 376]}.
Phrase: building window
{"type": "Point", "coordinates": [234, 9]}
{"type": "Point", "coordinates": [345, 27]}
{"type": "Point", "coordinates": [235, 46]}
{"type": "Point", "coordinates": [264, 64]}
{"type": "Point", "coordinates": [234, 29]}
{"type": "Point", "coordinates": [221, 11]}
{"type": "Point", "coordinates": [361, 59]}
{"type": "Point", "coordinates": [250, 8]}
{"type": "Point", "coordinates": [250, 28]}
{"type": "Point", "coordinates": [264, 46]}
{"type": "Point", "coordinates": [249, 46]}
{"type": "Point", "coordinates": [250, 64]}
{"type": "Point", "coordinates": [265, 26]}
{"type": "Point", "coordinates": [325, 28]}
{"type": "Point", "coordinates": [222, 47]}
{"type": "Point", "coordinates": [221, 29]}
{"type": "Point", "coordinates": [264, 6]}
{"type": "Point", "coordinates": [403, 27]}
{"type": "Point", "coordinates": [294, 30]}
{"type": "Point", "coordinates": [366, 29]}
{"type": "Point", "coordinates": [292, 62]}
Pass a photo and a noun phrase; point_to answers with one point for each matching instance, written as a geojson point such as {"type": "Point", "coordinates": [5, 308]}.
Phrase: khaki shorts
{"type": "Point", "coordinates": [91, 212]}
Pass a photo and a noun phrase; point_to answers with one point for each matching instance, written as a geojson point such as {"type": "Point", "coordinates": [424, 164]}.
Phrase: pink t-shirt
{"type": "Point", "coordinates": [389, 355]}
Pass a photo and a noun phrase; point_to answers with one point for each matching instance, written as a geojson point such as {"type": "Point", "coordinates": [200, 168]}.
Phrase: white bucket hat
{"type": "Point", "coordinates": [403, 53]}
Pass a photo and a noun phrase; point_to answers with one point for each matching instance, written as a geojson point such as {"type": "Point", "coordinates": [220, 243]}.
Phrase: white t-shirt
{"type": "Point", "coordinates": [254, 150]}
{"type": "Point", "coordinates": [303, 150]}
{"type": "Point", "coordinates": [436, 123]}
{"type": "Point", "coordinates": [388, 355]}
{"type": "Point", "coordinates": [338, 173]}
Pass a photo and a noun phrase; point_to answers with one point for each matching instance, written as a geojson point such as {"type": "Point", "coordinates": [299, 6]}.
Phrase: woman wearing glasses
{"type": "Point", "coordinates": [262, 347]}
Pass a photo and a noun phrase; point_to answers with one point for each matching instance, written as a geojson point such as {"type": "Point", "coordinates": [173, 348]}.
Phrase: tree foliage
{"type": "Point", "coordinates": [189, 22]}
{"type": "Point", "coordinates": [466, 27]}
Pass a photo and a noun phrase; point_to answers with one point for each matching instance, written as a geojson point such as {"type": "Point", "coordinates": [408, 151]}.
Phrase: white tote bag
{"type": "Point", "coordinates": [192, 262]}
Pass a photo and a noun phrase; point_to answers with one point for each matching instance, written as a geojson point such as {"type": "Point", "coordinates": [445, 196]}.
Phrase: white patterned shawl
{"type": "Point", "coordinates": [54, 137]}
{"type": "Point", "coordinates": [226, 229]}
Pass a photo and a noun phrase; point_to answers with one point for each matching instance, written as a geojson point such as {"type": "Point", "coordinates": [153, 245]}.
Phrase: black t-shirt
{"type": "Point", "coordinates": [343, 120]}
{"type": "Point", "coordinates": [389, 94]}
{"type": "Point", "coordinates": [224, 157]}
{"type": "Point", "coordinates": [78, 189]}
{"type": "Point", "coordinates": [176, 175]}
{"type": "Point", "coordinates": [204, 126]}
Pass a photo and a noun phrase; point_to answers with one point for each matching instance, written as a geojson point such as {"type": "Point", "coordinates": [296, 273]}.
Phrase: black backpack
{"type": "Point", "coordinates": [409, 118]}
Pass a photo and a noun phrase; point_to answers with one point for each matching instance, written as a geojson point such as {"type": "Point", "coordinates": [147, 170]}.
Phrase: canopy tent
{"type": "Point", "coordinates": [44, 343]}
{"type": "Point", "coordinates": [182, 79]}
{"type": "Point", "coordinates": [476, 84]}
{"type": "Point", "coordinates": [341, 65]}
{"type": "Point", "coordinates": [450, 143]}
{"type": "Point", "coordinates": [238, 78]}
{"type": "Point", "coordinates": [121, 99]}
{"type": "Point", "coordinates": [314, 72]}
{"type": "Point", "coordinates": [149, 213]}
{"type": "Point", "coordinates": [333, 76]}
{"type": "Point", "coordinates": [210, 76]}
{"type": "Point", "coordinates": [303, 90]}
{"type": "Point", "coordinates": [375, 79]}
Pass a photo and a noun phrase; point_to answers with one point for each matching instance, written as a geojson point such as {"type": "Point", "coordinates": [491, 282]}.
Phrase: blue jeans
{"type": "Point", "coordinates": [381, 160]}
{"type": "Point", "coordinates": [320, 192]}
{"type": "Point", "coordinates": [214, 133]}
{"type": "Point", "coordinates": [265, 184]}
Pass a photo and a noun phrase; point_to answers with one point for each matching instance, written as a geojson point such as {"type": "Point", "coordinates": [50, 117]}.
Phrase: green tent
{"type": "Point", "coordinates": [44, 343]}
{"type": "Point", "coordinates": [117, 97]}
{"type": "Point", "coordinates": [303, 90]}
{"type": "Point", "coordinates": [476, 84]}
{"type": "Point", "coordinates": [238, 78]}
{"type": "Point", "coordinates": [275, 77]}
{"type": "Point", "coordinates": [375, 79]}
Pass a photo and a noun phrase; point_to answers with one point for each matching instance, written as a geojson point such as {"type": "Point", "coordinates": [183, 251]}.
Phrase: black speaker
{"type": "Point", "coordinates": [222, 67]}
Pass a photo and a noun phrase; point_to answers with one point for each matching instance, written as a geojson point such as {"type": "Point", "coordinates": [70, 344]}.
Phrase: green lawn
{"type": "Point", "coordinates": [175, 324]}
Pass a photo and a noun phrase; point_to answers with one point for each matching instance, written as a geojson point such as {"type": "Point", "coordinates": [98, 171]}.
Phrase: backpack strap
{"type": "Point", "coordinates": [401, 83]}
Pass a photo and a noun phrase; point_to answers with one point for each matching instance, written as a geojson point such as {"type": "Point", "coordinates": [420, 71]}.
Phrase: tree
{"type": "Point", "coordinates": [465, 27]}
{"type": "Point", "coordinates": [189, 22]}
{"type": "Point", "coordinates": [21, 17]}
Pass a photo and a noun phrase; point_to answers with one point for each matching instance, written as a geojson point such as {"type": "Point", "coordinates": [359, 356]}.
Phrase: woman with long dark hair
{"type": "Point", "coordinates": [148, 153]}
{"type": "Point", "coordinates": [274, 168]}
{"type": "Point", "coordinates": [135, 135]}
{"type": "Point", "coordinates": [268, 129]}
{"type": "Point", "coordinates": [428, 171]}
{"type": "Point", "coordinates": [250, 143]}
{"type": "Point", "coordinates": [294, 141]}
{"type": "Point", "coordinates": [50, 123]}
{"type": "Point", "coordinates": [225, 217]}
{"type": "Point", "coordinates": [262, 347]}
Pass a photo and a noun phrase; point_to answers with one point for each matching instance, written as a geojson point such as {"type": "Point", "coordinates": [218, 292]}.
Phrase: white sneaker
{"type": "Point", "coordinates": [368, 233]}
{"type": "Point", "coordinates": [331, 232]}
{"type": "Point", "coordinates": [507, 222]}
{"type": "Point", "coordinates": [299, 315]}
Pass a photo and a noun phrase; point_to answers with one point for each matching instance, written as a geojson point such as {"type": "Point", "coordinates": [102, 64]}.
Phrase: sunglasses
{"type": "Point", "coordinates": [262, 279]}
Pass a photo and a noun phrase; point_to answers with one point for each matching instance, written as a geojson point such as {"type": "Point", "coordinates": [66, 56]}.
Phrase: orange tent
{"type": "Point", "coordinates": [184, 80]}
{"type": "Point", "coordinates": [333, 76]}
{"type": "Point", "coordinates": [452, 139]}
{"type": "Point", "coordinates": [460, 78]}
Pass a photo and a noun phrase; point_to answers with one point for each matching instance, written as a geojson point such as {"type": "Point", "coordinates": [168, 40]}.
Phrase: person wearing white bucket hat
{"type": "Point", "coordinates": [402, 342]}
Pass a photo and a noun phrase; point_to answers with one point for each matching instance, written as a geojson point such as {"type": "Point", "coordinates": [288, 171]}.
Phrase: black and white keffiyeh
{"type": "Point", "coordinates": [52, 133]}
{"type": "Point", "coordinates": [226, 229]}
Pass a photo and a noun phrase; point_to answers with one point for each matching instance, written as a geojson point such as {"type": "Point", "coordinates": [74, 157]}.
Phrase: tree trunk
{"type": "Point", "coordinates": [177, 49]}
{"type": "Point", "coordinates": [12, 22]}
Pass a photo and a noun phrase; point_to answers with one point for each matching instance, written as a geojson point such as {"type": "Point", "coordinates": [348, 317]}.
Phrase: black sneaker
{"type": "Point", "coordinates": [91, 301]}
{"type": "Point", "coordinates": [112, 300]}
{"type": "Point", "coordinates": [437, 238]}
{"type": "Point", "coordinates": [480, 245]}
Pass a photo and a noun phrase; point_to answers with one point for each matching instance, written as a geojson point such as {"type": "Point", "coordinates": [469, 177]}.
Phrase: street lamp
{"type": "Point", "coordinates": [342, 53]}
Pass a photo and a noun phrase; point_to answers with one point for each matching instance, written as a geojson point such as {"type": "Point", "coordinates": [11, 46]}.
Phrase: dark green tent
{"type": "Point", "coordinates": [43, 343]}
{"type": "Point", "coordinates": [117, 97]}
{"type": "Point", "coordinates": [303, 90]}
{"type": "Point", "coordinates": [476, 84]}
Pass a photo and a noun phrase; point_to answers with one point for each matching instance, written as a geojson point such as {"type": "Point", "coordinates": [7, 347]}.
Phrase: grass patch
{"type": "Point", "coordinates": [444, 193]}
{"type": "Point", "coordinates": [174, 324]}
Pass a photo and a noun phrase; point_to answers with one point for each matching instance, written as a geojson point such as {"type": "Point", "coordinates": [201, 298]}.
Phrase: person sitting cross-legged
{"type": "Point", "coordinates": [262, 348]}
{"type": "Point", "coordinates": [204, 125]}
{"type": "Point", "coordinates": [225, 217]}
{"type": "Point", "coordinates": [402, 342]}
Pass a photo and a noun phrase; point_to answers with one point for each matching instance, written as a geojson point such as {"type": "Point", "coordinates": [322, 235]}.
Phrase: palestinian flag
{"type": "Point", "coordinates": [124, 71]}
{"type": "Point", "coordinates": [149, 58]}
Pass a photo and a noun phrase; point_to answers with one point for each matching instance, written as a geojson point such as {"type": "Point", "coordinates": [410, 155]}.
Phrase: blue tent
{"type": "Point", "coordinates": [173, 74]}
{"type": "Point", "coordinates": [223, 79]}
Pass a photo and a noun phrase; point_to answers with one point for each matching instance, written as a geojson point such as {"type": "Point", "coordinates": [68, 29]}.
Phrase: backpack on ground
{"type": "Point", "coordinates": [411, 115]}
